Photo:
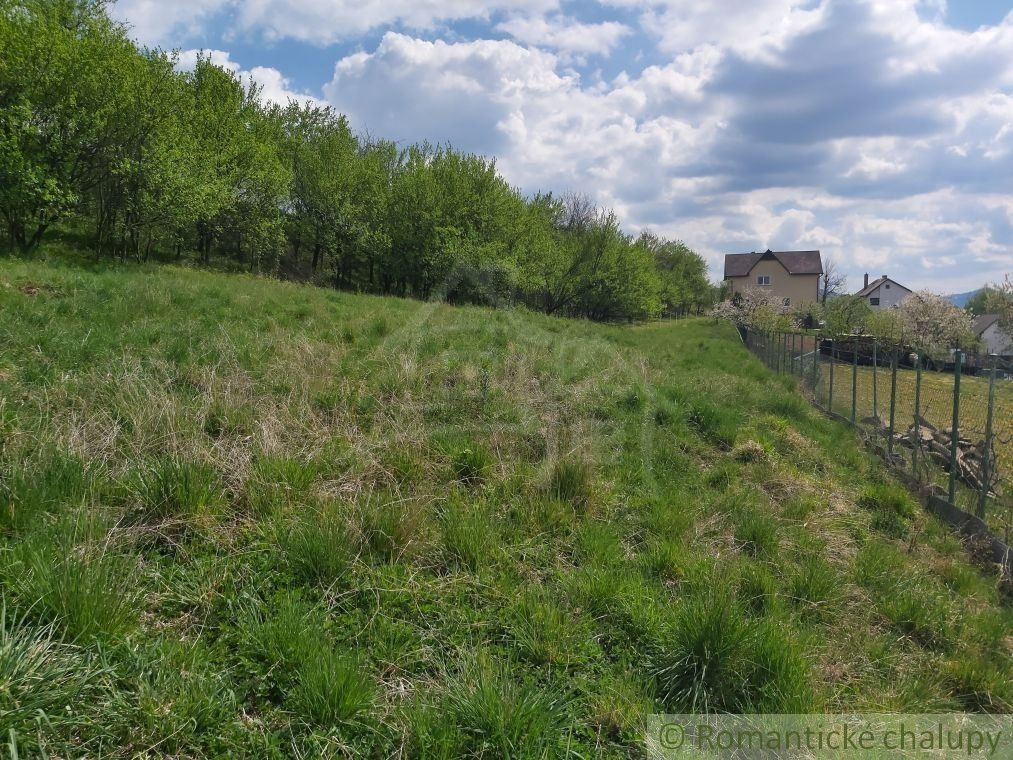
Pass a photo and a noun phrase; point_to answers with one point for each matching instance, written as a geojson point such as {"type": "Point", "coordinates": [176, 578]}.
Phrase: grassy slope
{"type": "Point", "coordinates": [239, 516]}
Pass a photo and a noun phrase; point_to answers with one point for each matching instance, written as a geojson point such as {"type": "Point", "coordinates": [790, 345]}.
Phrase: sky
{"type": "Point", "coordinates": [877, 131]}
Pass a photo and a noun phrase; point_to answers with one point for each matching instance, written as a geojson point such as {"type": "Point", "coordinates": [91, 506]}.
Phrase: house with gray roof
{"type": "Point", "coordinates": [883, 292]}
{"type": "Point", "coordinates": [793, 277]}
{"type": "Point", "coordinates": [994, 339]}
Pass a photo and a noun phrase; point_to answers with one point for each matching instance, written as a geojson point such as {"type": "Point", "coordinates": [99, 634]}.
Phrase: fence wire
{"type": "Point", "coordinates": [947, 424]}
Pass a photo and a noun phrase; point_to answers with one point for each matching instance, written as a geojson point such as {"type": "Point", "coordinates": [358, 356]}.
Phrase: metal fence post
{"type": "Point", "coordinates": [893, 402]}
{"type": "Point", "coordinates": [791, 360]}
{"type": "Point", "coordinates": [854, 379]}
{"type": "Point", "coordinates": [986, 455]}
{"type": "Point", "coordinates": [875, 389]}
{"type": "Point", "coordinates": [918, 413]}
{"type": "Point", "coordinates": [833, 361]}
{"type": "Point", "coordinates": [958, 358]}
{"type": "Point", "coordinates": [816, 366]}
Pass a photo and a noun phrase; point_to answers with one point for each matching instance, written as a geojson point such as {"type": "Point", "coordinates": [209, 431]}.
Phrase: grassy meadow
{"type": "Point", "coordinates": [247, 518]}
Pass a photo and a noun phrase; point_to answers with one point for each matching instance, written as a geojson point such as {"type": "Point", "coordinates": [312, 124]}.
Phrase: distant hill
{"type": "Point", "coordinates": [961, 299]}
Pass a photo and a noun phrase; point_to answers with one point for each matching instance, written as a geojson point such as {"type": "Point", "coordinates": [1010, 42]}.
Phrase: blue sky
{"type": "Point", "coordinates": [879, 131]}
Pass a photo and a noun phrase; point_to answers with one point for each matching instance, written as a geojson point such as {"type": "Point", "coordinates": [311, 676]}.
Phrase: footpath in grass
{"type": "Point", "coordinates": [239, 517]}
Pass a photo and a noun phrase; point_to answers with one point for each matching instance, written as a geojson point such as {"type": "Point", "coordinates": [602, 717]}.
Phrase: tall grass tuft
{"type": "Point", "coordinates": [501, 715]}
{"type": "Point", "coordinates": [542, 631]}
{"type": "Point", "coordinates": [176, 489]}
{"type": "Point", "coordinates": [317, 547]}
{"type": "Point", "coordinates": [469, 539]}
{"type": "Point", "coordinates": [717, 660]}
{"type": "Point", "coordinates": [570, 482]}
{"type": "Point", "coordinates": [40, 677]}
{"type": "Point", "coordinates": [757, 533]}
{"type": "Point", "coordinates": [32, 487]}
{"type": "Point", "coordinates": [331, 688]}
{"type": "Point", "coordinates": [87, 591]}
{"type": "Point", "coordinates": [391, 529]}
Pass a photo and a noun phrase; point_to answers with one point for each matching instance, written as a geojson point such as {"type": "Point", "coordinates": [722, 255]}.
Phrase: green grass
{"type": "Point", "coordinates": [240, 517]}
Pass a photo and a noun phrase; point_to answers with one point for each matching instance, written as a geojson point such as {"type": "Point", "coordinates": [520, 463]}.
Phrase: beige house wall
{"type": "Point", "coordinates": [800, 288]}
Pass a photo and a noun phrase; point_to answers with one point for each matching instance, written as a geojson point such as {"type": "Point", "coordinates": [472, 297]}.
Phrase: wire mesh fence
{"type": "Point", "coordinates": [946, 424]}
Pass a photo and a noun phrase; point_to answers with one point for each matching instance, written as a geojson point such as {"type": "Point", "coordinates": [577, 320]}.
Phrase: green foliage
{"type": "Point", "coordinates": [39, 675]}
{"type": "Point", "coordinates": [152, 162]}
{"type": "Point", "coordinates": [846, 315]}
{"type": "Point", "coordinates": [173, 489]}
{"type": "Point", "coordinates": [87, 593]}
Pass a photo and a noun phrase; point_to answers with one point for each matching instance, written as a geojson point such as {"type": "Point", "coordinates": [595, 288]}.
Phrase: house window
{"type": "Point", "coordinates": [873, 302]}
{"type": "Point", "coordinates": [887, 286]}
{"type": "Point", "coordinates": [763, 279]}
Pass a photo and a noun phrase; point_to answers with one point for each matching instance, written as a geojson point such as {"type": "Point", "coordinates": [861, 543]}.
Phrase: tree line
{"type": "Point", "coordinates": [147, 161]}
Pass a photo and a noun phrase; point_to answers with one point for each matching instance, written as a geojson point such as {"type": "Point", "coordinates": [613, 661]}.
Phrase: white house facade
{"type": "Point", "coordinates": [883, 293]}
{"type": "Point", "coordinates": [993, 339]}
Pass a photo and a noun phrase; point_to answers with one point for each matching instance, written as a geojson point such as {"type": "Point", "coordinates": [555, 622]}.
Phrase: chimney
{"type": "Point", "coordinates": [866, 280]}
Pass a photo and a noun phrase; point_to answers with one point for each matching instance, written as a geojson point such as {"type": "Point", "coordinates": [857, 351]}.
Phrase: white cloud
{"type": "Point", "coordinates": [565, 34]}
{"type": "Point", "coordinates": [157, 22]}
{"type": "Point", "coordinates": [315, 21]}
{"type": "Point", "coordinates": [750, 27]}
